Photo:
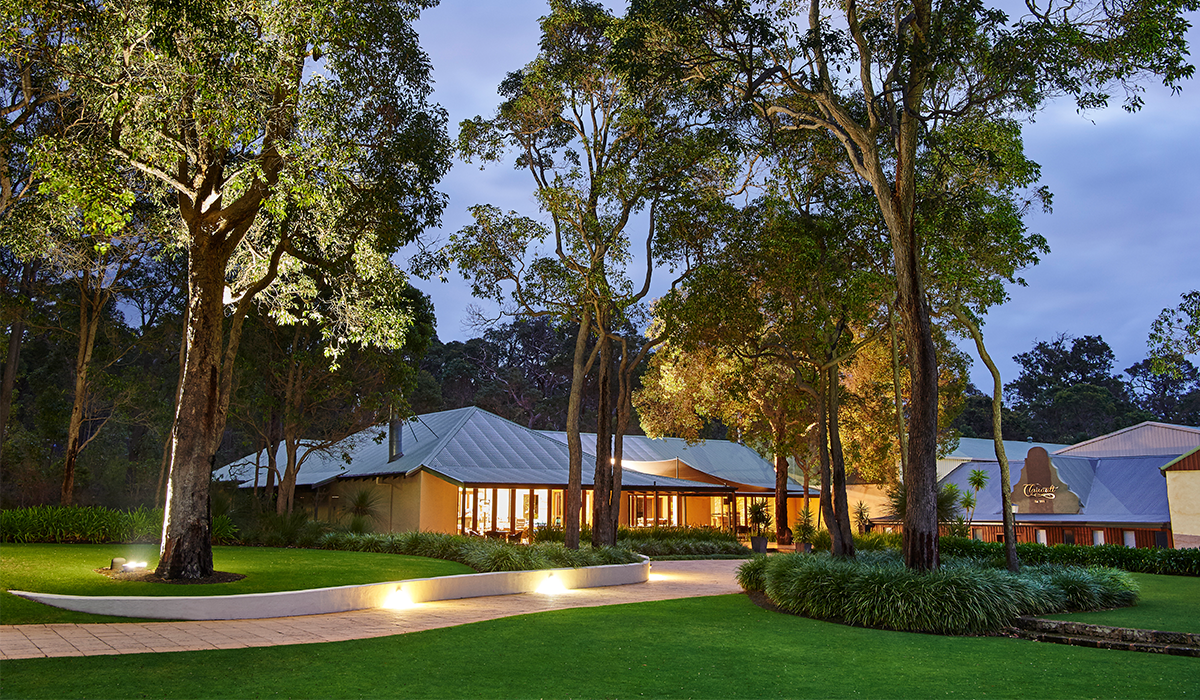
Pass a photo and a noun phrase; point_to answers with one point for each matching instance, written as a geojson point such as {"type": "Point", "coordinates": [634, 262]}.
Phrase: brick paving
{"type": "Point", "coordinates": [668, 580]}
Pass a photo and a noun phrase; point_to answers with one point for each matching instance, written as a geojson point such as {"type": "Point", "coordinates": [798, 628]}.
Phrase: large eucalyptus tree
{"type": "Point", "coordinates": [613, 167]}
{"type": "Point", "coordinates": [290, 134]}
{"type": "Point", "coordinates": [874, 75]}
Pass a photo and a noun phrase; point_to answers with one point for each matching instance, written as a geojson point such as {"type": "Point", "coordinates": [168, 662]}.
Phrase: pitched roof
{"type": "Point", "coordinates": [1148, 438]}
{"type": "Point", "coordinates": [984, 449]}
{"type": "Point", "coordinates": [466, 446]}
{"type": "Point", "coordinates": [1110, 489]}
{"type": "Point", "coordinates": [724, 461]}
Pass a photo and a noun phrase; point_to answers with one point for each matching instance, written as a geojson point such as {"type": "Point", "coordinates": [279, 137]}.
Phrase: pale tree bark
{"type": "Point", "coordinates": [602, 520]}
{"type": "Point", "coordinates": [1010, 527]}
{"type": "Point", "coordinates": [897, 392]}
{"type": "Point", "coordinates": [574, 500]}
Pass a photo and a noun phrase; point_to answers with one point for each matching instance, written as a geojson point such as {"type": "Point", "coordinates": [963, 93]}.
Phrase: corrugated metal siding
{"type": "Point", "coordinates": [1187, 463]}
{"type": "Point", "coordinates": [1148, 438]}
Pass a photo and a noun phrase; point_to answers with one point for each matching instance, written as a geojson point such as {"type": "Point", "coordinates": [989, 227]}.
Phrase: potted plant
{"type": "Point", "coordinates": [760, 520]}
{"type": "Point", "coordinates": [805, 531]}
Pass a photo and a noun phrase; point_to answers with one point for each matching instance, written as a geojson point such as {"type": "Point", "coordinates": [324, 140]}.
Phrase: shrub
{"type": "Point", "coordinates": [751, 575]}
{"type": "Point", "coordinates": [669, 546]}
{"type": "Point", "coordinates": [963, 597]}
{"type": "Point", "coordinates": [1178, 562]}
{"type": "Point", "coordinates": [79, 525]}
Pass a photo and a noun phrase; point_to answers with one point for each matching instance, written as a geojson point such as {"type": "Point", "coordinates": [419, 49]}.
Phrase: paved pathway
{"type": "Point", "coordinates": [668, 580]}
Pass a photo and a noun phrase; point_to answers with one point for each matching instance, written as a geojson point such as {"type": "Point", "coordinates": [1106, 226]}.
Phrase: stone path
{"type": "Point", "coordinates": [668, 580]}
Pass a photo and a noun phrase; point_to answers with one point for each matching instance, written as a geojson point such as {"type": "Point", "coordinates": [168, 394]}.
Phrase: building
{"type": "Point", "coordinates": [1139, 487]}
{"type": "Point", "coordinates": [470, 471]}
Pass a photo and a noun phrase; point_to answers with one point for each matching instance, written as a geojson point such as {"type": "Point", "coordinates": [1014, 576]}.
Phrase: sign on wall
{"type": "Point", "coordinates": [1040, 489]}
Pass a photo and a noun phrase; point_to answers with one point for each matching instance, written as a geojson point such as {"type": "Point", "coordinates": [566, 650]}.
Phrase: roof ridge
{"type": "Point", "coordinates": [444, 440]}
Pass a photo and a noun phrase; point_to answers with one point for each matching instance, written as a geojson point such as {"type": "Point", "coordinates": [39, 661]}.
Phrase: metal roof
{"type": "Point", "coordinates": [725, 461]}
{"type": "Point", "coordinates": [1110, 489]}
{"type": "Point", "coordinates": [984, 449]}
{"type": "Point", "coordinates": [467, 446]}
{"type": "Point", "coordinates": [1148, 438]}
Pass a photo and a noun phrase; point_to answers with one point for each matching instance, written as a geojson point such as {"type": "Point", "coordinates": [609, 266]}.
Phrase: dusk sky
{"type": "Point", "coordinates": [1124, 234]}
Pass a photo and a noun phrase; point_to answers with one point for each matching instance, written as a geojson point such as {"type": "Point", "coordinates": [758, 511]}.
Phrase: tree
{"type": "Point", "coordinates": [756, 396]}
{"type": "Point", "coordinates": [1175, 334]}
{"type": "Point", "coordinates": [295, 398]}
{"type": "Point", "coordinates": [1171, 397]}
{"type": "Point", "coordinates": [877, 78]}
{"type": "Point", "coordinates": [273, 163]}
{"type": "Point", "coordinates": [1070, 392]}
{"type": "Point", "coordinates": [796, 288]}
{"type": "Point", "coordinates": [599, 153]}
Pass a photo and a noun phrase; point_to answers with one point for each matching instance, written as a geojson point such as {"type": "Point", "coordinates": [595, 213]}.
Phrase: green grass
{"type": "Point", "coordinates": [1168, 603]}
{"type": "Point", "coordinates": [700, 647]}
{"type": "Point", "coordinates": [68, 568]}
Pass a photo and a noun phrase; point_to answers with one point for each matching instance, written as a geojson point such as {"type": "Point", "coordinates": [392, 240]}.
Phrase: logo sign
{"type": "Point", "coordinates": [1040, 489]}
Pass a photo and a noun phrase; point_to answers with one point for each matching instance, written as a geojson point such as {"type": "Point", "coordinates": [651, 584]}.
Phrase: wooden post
{"type": "Point", "coordinates": [512, 510]}
{"type": "Point", "coordinates": [493, 523]}
{"type": "Point", "coordinates": [475, 510]}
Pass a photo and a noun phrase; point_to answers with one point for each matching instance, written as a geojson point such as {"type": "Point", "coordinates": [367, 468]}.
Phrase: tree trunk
{"type": "Point", "coordinates": [90, 304]}
{"type": "Point", "coordinates": [1010, 526]}
{"type": "Point", "coordinates": [602, 481]}
{"type": "Point", "coordinates": [896, 390]}
{"type": "Point", "coordinates": [574, 498]}
{"type": "Point", "coordinates": [841, 509]}
{"type": "Point", "coordinates": [783, 534]}
{"type": "Point", "coordinates": [285, 501]}
{"type": "Point", "coordinates": [16, 336]}
{"type": "Point", "coordinates": [826, 513]}
{"type": "Point", "coordinates": [186, 550]}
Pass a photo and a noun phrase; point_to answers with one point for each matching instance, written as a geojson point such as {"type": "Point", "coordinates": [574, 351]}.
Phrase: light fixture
{"type": "Point", "coordinates": [552, 585]}
{"type": "Point", "coordinates": [399, 599]}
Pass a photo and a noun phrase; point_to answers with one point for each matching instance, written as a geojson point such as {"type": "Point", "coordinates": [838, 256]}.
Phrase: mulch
{"type": "Point", "coordinates": [148, 576]}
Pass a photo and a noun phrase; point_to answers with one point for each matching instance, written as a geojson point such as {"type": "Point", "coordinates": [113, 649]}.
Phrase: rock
{"type": "Point", "coordinates": [118, 564]}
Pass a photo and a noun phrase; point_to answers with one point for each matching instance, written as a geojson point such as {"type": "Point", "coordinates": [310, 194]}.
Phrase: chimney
{"type": "Point", "coordinates": [395, 437]}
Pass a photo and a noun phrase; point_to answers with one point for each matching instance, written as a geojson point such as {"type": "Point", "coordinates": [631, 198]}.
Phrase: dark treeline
{"type": "Point", "coordinates": [1067, 392]}
{"type": "Point", "coordinates": [519, 370]}
{"type": "Point", "coordinates": [285, 387]}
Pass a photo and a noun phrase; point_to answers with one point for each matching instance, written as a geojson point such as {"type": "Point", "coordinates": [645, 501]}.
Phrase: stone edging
{"type": "Point", "coordinates": [318, 601]}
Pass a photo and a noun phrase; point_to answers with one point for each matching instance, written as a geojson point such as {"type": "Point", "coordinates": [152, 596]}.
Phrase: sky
{"type": "Point", "coordinates": [1124, 233]}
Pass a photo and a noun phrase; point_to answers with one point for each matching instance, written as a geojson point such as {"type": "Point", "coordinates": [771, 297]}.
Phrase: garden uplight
{"type": "Point", "coordinates": [553, 585]}
{"type": "Point", "coordinates": [399, 599]}
{"type": "Point", "coordinates": [133, 566]}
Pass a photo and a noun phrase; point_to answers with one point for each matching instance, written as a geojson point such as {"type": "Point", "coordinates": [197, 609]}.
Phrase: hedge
{"type": "Point", "coordinates": [1175, 562]}
{"type": "Point", "coordinates": [93, 524]}
{"type": "Point", "coordinates": [965, 596]}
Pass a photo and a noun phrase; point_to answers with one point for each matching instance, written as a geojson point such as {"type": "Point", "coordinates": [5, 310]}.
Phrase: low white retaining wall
{"type": "Point", "coordinates": [318, 601]}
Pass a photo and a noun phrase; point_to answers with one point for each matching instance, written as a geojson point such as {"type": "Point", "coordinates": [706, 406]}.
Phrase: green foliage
{"type": "Point", "coordinates": [1177, 562]}
{"type": "Point", "coordinates": [1175, 334]}
{"type": "Point", "coordinates": [759, 517]}
{"type": "Point", "coordinates": [70, 525]}
{"type": "Point", "coordinates": [662, 541]}
{"type": "Point", "coordinates": [948, 503]}
{"type": "Point", "coordinates": [293, 529]}
{"type": "Point", "coordinates": [963, 597]}
{"type": "Point", "coordinates": [481, 554]}
{"type": "Point", "coordinates": [751, 575]}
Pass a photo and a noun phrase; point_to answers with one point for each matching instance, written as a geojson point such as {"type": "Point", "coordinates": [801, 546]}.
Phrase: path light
{"type": "Point", "coordinates": [398, 599]}
{"type": "Point", "coordinates": [659, 577]}
{"type": "Point", "coordinates": [553, 585]}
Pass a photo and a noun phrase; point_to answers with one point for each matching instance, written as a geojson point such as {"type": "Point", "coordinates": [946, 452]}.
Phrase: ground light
{"type": "Point", "coordinates": [553, 585]}
{"type": "Point", "coordinates": [398, 599]}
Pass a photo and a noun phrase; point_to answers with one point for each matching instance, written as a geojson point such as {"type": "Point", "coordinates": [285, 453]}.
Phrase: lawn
{"type": "Point", "coordinates": [700, 647]}
{"type": "Point", "coordinates": [68, 568]}
{"type": "Point", "coordinates": [1168, 603]}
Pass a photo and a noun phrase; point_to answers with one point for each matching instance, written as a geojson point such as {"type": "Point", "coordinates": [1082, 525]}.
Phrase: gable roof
{"type": "Point", "coordinates": [721, 460]}
{"type": "Point", "coordinates": [1189, 462]}
{"type": "Point", "coordinates": [1148, 438]}
{"type": "Point", "coordinates": [1127, 489]}
{"type": "Point", "coordinates": [466, 446]}
{"type": "Point", "coordinates": [984, 449]}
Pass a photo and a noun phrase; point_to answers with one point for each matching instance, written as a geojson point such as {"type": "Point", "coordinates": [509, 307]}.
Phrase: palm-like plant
{"type": "Point", "coordinates": [362, 508]}
{"type": "Point", "coordinates": [948, 503]}
{"type": "Point", "coordinates": [977, 480]}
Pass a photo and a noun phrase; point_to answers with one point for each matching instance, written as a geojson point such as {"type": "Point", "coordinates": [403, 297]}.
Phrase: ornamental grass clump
{"type": "Point", "coordinates": [752, 575]}
{"type": "Point", "coordinates": [965, 596]}
{"type": "Point", "coordinates": [493, 555]}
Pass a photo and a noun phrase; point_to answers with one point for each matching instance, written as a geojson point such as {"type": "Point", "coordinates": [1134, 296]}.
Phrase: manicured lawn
{"type": "Point", "coordinates": [699, 647]}
{"type": "Point", "coordinates": [1168, 603]}
{"type": "Point", "coordinates": [68, 568]}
